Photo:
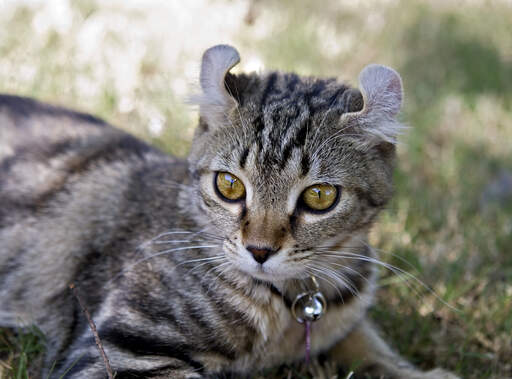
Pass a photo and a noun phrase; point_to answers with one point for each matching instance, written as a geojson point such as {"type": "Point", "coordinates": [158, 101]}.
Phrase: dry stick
{"type": "Point", "coordinates": [94, 331]}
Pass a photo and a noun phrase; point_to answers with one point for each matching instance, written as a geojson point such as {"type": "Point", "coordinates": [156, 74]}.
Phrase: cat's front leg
{"type": "Point", "coordinates": [364, 349]}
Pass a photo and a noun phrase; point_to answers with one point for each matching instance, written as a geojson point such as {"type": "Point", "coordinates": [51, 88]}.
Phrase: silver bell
{"type": "Point", "coordinates": [313, 308]}
{"type": "Point", "coordinates": [308, 307]}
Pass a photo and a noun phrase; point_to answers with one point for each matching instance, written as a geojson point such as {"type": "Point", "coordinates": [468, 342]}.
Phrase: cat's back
{"type": "Point", "coordinates": [25, 121]}
{"type": "Point", "coordinates": [48, 152]}
{"type": "Point", "coordinates": [73, 190]}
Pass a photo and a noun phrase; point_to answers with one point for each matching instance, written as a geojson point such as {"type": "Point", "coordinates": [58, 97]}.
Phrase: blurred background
{"type": "Point", "coordinates": [450, 223]}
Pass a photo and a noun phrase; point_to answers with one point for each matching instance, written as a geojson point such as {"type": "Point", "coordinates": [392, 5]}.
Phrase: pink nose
{"type": "Point", "coordinates": [261, 254]}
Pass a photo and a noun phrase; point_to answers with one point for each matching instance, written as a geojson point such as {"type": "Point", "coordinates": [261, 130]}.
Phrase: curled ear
{"type": "Point", "coordinates": [382, 90]}
{"type": "Point", "coordinates": [215, 102]}
{"type": "Point", "coordinates": [382, 93]}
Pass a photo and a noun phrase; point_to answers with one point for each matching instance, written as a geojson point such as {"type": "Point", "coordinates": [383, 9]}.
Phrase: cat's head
{"type": "Point", "coordinates": [284, 165]}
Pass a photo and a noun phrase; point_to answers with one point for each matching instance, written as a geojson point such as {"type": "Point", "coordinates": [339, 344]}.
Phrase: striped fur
{"type": "Point", "coordinates": [161, 261]}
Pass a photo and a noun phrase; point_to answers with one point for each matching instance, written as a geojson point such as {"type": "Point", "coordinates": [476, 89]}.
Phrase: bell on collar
{"type": "Point", "coordinates": [313, 308]}
{"type": "Point", "coordinates": [310, 305]}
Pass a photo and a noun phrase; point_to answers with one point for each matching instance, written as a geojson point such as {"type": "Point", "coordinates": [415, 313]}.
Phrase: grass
{"type": "Point", "coordinates": [20, 351]}
{"type": "Point", "coordinates": [451, 216]}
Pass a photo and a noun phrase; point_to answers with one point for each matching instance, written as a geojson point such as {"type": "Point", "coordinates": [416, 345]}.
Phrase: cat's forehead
{"type": "Point", "coordinates": [286, 117]}
{"type": "Point", "coordinates": [290, 95]}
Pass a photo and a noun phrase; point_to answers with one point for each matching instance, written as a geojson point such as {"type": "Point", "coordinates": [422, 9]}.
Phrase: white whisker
{"type": "Point", "coordinates": [400, 258]}
{"type": "Point", "coordinates": [343, 279]}
{"type": "Point", "coordinates": [347, 268]}
{"type": "Point", "coordinates": [170, 241]}
{"type": "Point", "coordinates": [321, 275]}
{"type": "Point", "coordinates": [218, 258]}
{"type": "Point", "coordinates": [160, 253]}
{"type": "Point", "coordinates": [394, 269]}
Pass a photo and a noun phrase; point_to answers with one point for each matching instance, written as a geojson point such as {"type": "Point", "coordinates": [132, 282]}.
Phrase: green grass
{"type": "Point", "coordinates": [447, 218]}
{"type": "Point", "coordinates": [20, 352]}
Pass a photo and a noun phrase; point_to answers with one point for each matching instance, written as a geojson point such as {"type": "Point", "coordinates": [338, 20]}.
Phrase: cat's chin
{"type": "Point", "coordinates": [266, 276]}
{"type": "Point", "coordinates": [263, 276]}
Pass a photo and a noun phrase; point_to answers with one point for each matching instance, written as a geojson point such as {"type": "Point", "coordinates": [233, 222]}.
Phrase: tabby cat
{"type": "Point", "coordinates": [204, 267]}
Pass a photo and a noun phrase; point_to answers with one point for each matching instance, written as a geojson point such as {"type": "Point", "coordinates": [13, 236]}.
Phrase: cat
{"type": "Point", "coordinates": [205, 266]}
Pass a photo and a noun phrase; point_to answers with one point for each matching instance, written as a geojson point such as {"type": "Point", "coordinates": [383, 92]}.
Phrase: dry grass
{"type": "Point", "coordinates": [451, 218]}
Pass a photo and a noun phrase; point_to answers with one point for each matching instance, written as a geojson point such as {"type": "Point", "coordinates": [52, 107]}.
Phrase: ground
{"type": "Point", "coordinates": [450, 223]}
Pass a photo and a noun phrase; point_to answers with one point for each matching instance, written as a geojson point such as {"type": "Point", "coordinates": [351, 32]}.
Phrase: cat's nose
{"type": "Point", "coordinates": [261, 254]}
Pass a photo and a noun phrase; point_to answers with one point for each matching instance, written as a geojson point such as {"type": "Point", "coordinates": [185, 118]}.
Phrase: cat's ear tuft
{"type": "Point", "coordinates": [382, 94]}
{"type": "Point", "coordinates": [215, 102]}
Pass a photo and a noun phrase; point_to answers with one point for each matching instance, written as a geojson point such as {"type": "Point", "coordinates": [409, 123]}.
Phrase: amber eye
{"type": "Point", "coordinates": [229, 186]}
{"type": "Point", "coordinates": [320, 197]}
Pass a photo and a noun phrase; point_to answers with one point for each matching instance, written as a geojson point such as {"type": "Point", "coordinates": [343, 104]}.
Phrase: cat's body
{"type": "Point", "coordinates": [180, 280]}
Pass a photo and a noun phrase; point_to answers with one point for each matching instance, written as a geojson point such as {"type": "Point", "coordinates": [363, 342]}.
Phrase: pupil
{"type": "Point", "coordinates": [317, 191]}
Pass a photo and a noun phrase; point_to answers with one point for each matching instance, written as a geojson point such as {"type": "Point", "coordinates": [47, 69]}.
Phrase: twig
{"type": "Point", "coordinates": [94, 331]}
